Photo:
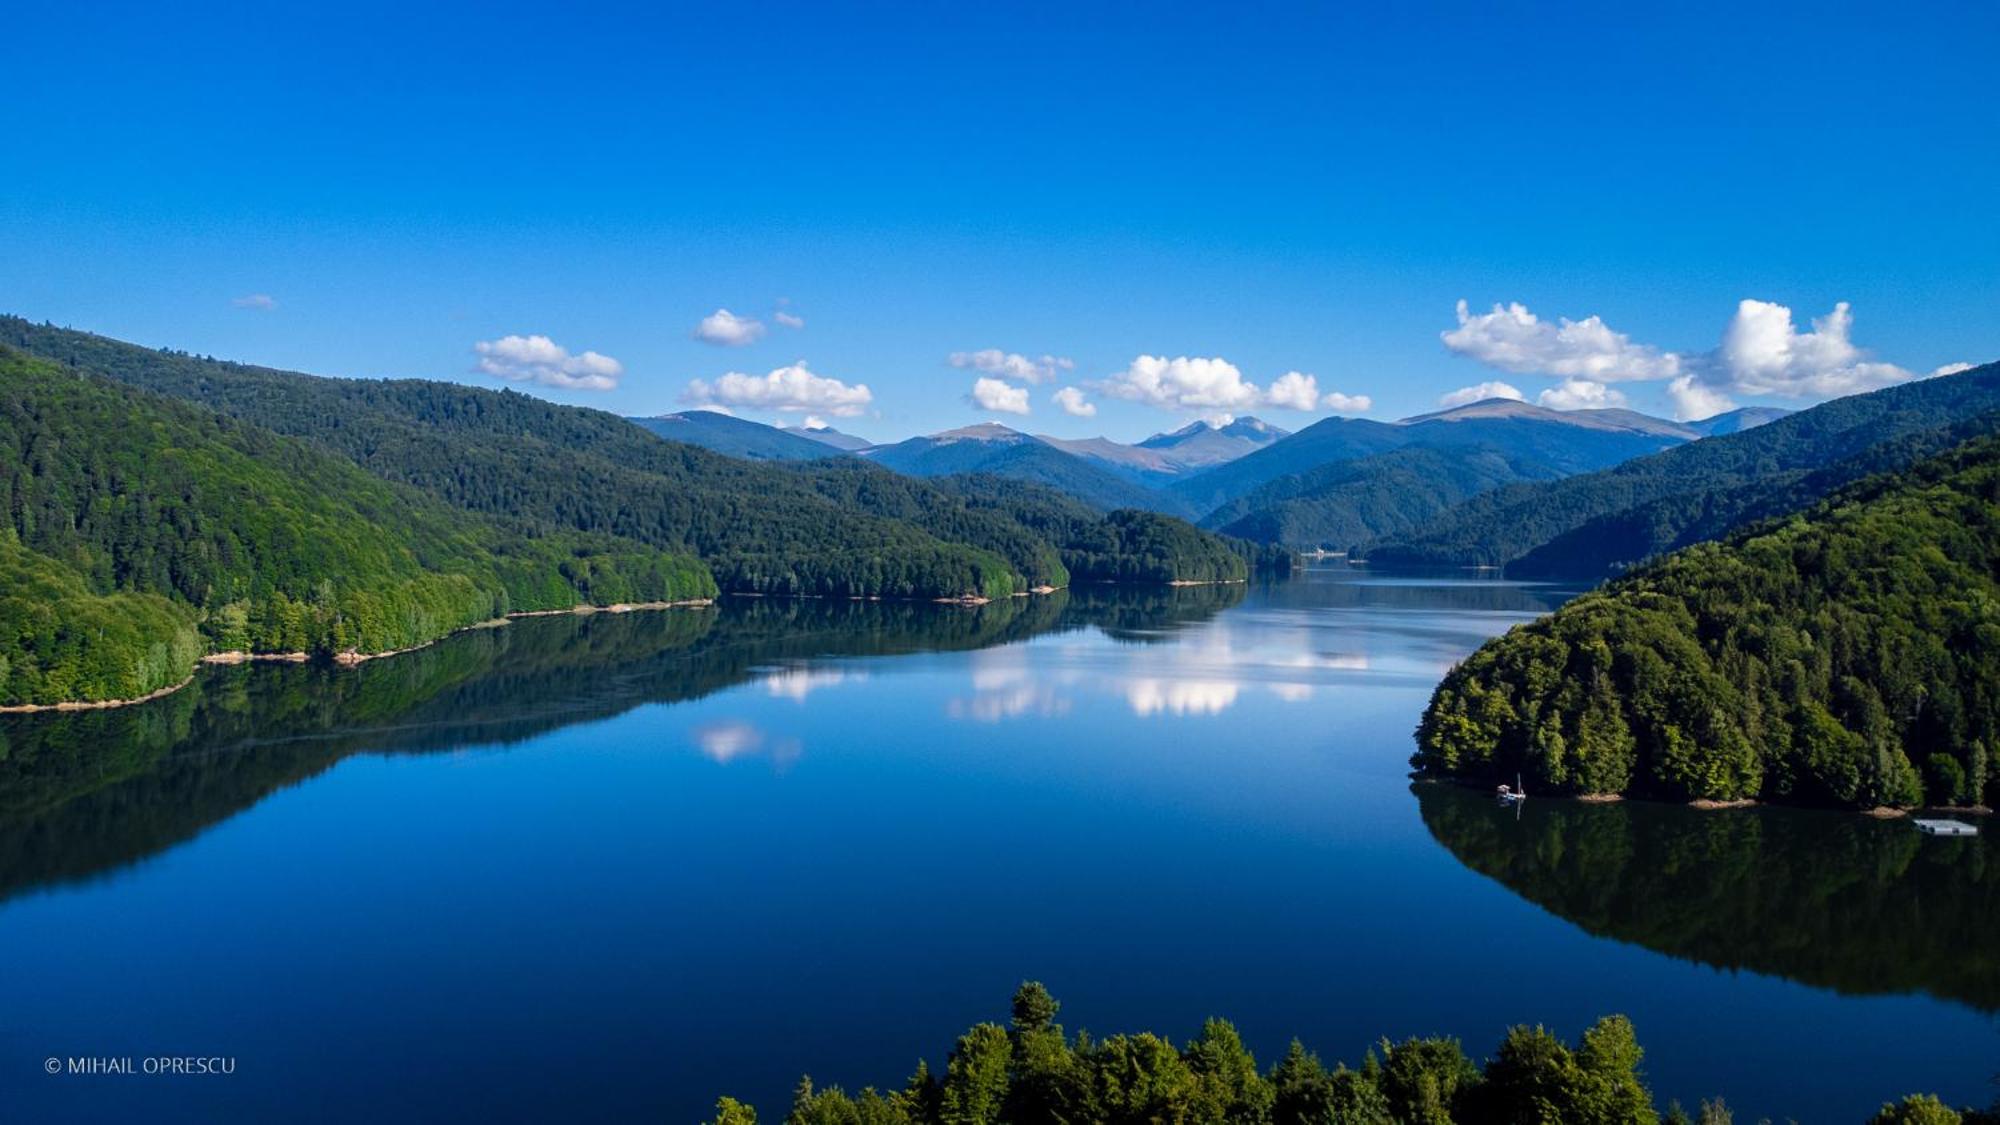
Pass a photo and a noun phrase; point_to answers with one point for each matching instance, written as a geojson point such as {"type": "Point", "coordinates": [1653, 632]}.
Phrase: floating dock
{"type": "Point", "coordinates": [1946, 828]}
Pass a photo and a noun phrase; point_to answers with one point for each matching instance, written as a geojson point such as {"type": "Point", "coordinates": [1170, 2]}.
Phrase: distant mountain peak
{"type": "Point", "coordinates": [1250, 424]}
{"type": "Point", "coordinates": [983, 431]}
{"type": "Point", "coordinates": [1615, 419]}
{"type": "Point", "coordinates": [816, 430]}
{"type": "Point", "coordinates": [1253, 430]}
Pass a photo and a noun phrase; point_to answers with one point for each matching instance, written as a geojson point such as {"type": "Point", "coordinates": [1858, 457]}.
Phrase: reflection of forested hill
{"type": "Point", "coordinates": [1452, 590]}
{"type": "Point", "coordinates": [85, 792]}
{"type": "Point", "coordinates": [1837, 901]}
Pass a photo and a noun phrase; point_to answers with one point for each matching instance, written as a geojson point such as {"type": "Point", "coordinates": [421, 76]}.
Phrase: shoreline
{"type": "Point", "coordinates": [350, 659]}
{"type": "Point", "coordinates": [347, 659]}
{"type": "Point", "coordinates": [96, 704]}
{"type": "Point", "coordinates": [1705, 804]}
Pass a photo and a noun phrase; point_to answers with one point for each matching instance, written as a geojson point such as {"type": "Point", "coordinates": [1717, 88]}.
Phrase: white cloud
{"type": "Point", "coordinates": [1074, 404]}
{"type": "Point", "coordinates": [1012, 365]}
{"type": "Point", "coordinates": [1183, 383]}
{"type": "Point", "coordinates": [1694, 401]}
{"type": "Point", "coordinates": [792, 388]}
{"type": "Point", "coordinates": [728, 330]}
{"type": "Point", "coordinates": [538, 359]}
{"type": "Point", "coordinates": [1294, 390]}
{"type": "Point", "coordinates": [999, 395]}
{"type": "Point", "coordinates": [1950, 369]}
{"type": "Point", "coordinates": [1215, 388]}
{"type": "Point", "coordinates": [261, 301]}
{"type": "Point", "coordinates": [1580, 394]}
{"type": "Point", "coordinates": [1513, 339]}
{"type": "Point", "coordinates": [1479, 392]}
{"type": "Point", "coordinates": [789, 320]}
{"type": "Point", "coordinates": [1762, 353]}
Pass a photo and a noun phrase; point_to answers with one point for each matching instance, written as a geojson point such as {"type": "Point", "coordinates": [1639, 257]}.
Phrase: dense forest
{"type": "Point", "coordinates": [835, 528]}
{"type": "Point", "coordinates": [1345, 503]}
{"type": "Point", "coordinates": [1127, 545]}
{"type": "Point", "coordinates": [1590, 525]}
{"type": "Point", "coordinates": [141, 532]}
{"type": "Point", "coordinates": [1605, 545]}
{"type": "Point", "coordinates": [1842, 656]}
{"type": "Point", "coordinates": [1019, 457]}
{"type": "Point", "coordinates": [1032, 1071]}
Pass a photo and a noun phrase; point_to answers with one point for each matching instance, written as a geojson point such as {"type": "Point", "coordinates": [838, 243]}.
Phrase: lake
{"type": "Point", "coordinates": [611, 867]}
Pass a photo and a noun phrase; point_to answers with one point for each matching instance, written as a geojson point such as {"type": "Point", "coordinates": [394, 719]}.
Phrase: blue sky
{"type": "Point", "coordinates": [1260, 190]}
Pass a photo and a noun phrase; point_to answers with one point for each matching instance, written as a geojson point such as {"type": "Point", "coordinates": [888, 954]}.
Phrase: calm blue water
{"type": "Point", "coordinates": [611, 868]}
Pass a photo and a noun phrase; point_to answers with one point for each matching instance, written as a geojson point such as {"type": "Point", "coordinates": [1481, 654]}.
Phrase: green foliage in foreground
{"type": "Point", "coordinates": [1845, 656]}
{"type": "Point", "coordinates": [132, 522]}
{"type": "Point", "coordinates": [1032, 1072]}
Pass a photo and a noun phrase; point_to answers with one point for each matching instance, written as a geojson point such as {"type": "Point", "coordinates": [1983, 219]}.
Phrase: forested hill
{"type": "Point", "coordinates": [1844, 656]}
{"type": "Point", "coordinates": [1127, 546]}
{"type": "Point", "coordinates": [1586, 526]}
{"type": "Point", "coordinates": [835, 528]}
{"type": "Point", "coordinates": [994, 450]}
{"type": "Point", "coordinates": [1345, 503]}
{"type": "Point", "coordinates": [736, 437]}
{"type": "Point", "coordinates": [141, 532]}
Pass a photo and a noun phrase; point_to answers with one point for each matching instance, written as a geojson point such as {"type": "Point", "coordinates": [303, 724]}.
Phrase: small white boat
{"type": "Point", "coordinates": [1946, 828]}
{"type": "Point", "coordinates": [1509, 794]}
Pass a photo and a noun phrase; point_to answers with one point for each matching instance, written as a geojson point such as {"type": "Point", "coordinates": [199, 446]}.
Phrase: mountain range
{"type": "Point", "coordinates": [1574, 494]}
{"type": "Point", "coordinates": [1593, 524]}
{"type": "Point", "coordinates": [1334, 483]}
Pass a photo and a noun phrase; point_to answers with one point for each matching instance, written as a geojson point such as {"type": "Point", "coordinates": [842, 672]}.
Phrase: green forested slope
{"type": "Point", "coordinates": [736, 437]}
{"type": "Point", "coordinates": [60, 641]}
{"type": "Point", "coordinates": [1017, 456]}
{"type": "Point", "coordinates": [1844, 656]}
{"type": "Point", "coordinates": [1127, 545]}
{"type": "Point", "coordinates": [1339, 505]}
{"type": "Point", "coordinates": [1608, 544]}
{"type": "Point", "coordinates": [1506, 524]}
{"type": "Point", "coordinates": [1565, 442]}
{"type": "Point", "coordinates": [837, 527]}
{"type": "Point", "coordinates": [151, 517]}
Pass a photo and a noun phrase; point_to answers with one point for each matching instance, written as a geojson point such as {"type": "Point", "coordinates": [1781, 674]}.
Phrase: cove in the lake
{"type": "Point", "coordinates": [614, 866]}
